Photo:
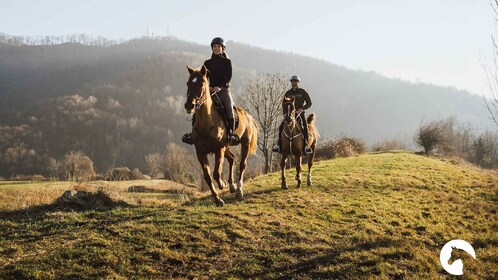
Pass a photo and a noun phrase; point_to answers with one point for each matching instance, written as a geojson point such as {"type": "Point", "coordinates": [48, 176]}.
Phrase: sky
{"type": "Point", "coordinates": [443, 42]}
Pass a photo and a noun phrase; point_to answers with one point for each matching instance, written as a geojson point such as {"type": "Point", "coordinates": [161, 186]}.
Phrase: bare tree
{"type": "Point", "coordinates": [492, 71]}
{"type": "Point", "coordinates": [178, 165]}
{"type": "Point", "coordinates": [263, 99]}
{"type": "Point", "coordinates": [153, 164]}
{"type": "Point", "coordinates": [78, 166]}
{"type": "Point", "coordinates": [430, 135]}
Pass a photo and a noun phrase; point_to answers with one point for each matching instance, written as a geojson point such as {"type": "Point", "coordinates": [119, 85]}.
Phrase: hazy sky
{"type": "Point", "coordinates": [437, 41]}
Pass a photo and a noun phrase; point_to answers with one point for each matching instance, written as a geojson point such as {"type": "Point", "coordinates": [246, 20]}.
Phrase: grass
{"type": "Point", "coordinates": [15, 195]}
{"type": "Point", "coordinates": [384, 215]}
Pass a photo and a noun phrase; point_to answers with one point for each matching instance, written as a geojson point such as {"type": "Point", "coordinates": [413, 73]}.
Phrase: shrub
{"type": "Point", "coordinates": [341, 147]}
{"type": "Point", "coordinates": [78, 167]}
{"type": "Point", "coordinates": [118, 174]}
{"type": "Point", "coordinates": [389, 145]}
{"type": "Point", "coordinates": [136, 174]}
{"type": "Point", "coordinates": [178, 165]}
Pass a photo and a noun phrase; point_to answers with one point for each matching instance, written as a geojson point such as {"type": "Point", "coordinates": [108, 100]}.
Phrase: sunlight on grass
{"type": "Point", "coordinates": [384, 215]}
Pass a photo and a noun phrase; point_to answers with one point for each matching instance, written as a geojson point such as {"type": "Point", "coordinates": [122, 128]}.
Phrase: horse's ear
{"type": "Point", "coordinates": [190, 70]}
{"type": "Point", "coordinates": [204, 70]}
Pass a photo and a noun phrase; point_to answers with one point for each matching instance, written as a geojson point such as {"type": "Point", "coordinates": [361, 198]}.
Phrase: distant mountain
{"type": "Point", "coordinates": [138, 88]}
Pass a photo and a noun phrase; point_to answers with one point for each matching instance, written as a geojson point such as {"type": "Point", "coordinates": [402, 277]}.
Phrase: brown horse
{"type": "Point", "coordinates": [210, 135]}
{"type": "Point", "coordinates": [292, 141]}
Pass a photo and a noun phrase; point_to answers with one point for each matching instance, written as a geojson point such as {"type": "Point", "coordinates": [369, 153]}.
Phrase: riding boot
{"type": "Point", "coordinates": [278, 148]}
{"type": "Point", "coordinates": [233, 138]}
{"type": "Point", "coordinates": [187, 137]}
{"type": "Point", "coordinates": [306, 149]}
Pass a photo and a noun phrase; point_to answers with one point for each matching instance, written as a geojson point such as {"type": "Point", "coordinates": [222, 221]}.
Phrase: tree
{"type": "Point", "coordinates": [178, 165]}
{"type": "Point", "coordinates": [153, 164]}
{"type": "Point", "coordinates": [78, 166]}
{"type": "Point", "coordinates": [430, 135]}
{"type": "Point", "coordinates": [492, 71]}
{"type": "Point", "coordinates": [263, 99]}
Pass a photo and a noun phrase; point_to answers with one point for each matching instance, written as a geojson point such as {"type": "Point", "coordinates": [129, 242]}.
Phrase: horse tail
{"type": "Point", "coordinates": [312, 121]}
{"type": "Point", "coordinates": [253, 142]}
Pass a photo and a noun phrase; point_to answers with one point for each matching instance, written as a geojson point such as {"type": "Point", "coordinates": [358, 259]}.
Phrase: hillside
{"type": "Point", "coordinates": [118, 103]}
{"type": "Point", "coordinates": [377, 215]}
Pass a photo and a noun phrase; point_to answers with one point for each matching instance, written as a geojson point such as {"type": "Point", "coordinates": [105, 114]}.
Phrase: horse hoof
{"type": "Point", "coordinates": [221, 186]}
{"type": "Point", "coordinates": [239, 194]}
{"type": "Point", "coordinates": [232, 188]}
{"type": "Point", "coordinates": [298, 185]}
{"type": "Point", "coordinates": [285, 187]}
{"type": "Point", "coordinates": [309, 183]}
{"type": "Point", "coordinates": [220, 203]}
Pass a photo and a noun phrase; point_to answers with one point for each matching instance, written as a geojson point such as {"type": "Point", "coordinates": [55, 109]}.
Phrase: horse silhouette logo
{"type": "Point", "coordinates": [456, 268]}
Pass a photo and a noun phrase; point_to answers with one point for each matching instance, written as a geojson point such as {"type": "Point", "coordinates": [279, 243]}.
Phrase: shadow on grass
{"type": "Point", "coordinates": [98, 201]}
{"type": "Point", "coordinates": [228, 197]}
{"type": "Point", "coordinates": [327, 264]}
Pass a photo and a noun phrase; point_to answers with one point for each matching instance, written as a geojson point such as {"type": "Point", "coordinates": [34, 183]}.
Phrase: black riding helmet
{"type": "Point", "coordinates": [218, 40]}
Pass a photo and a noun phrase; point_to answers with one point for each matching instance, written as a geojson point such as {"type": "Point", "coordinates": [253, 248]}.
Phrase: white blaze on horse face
{"type": "Point", "coordinates": [194, 80]}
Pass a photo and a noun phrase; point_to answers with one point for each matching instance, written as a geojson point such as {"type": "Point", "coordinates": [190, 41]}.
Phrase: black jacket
{"type": "Point", "coordinates": [219, 71]}
{"type": "Point", "coordinates": [302, 98]}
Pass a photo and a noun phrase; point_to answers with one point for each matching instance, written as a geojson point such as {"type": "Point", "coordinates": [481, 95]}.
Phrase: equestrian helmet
{"type": "Point", "coordinates": [295, 78]}
{"type": "Point", "coordinates": [218, 40]}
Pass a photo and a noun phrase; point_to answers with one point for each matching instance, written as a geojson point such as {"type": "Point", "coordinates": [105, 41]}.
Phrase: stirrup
{"type": "Point", "coordinates": [187, 139]}
{"type": "Point", "coordinates": [307, 150]}
{"type": "Point", "coordinates": [233, 139]}
{"type": "Point", "coordinates": [276, 149]}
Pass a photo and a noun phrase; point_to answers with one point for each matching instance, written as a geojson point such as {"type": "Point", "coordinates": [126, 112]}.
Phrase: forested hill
{"type": "Point", "coordinates": [121, 101]}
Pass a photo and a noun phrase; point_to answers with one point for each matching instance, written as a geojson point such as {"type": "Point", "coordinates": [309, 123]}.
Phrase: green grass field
{"type": "Point", "coordinates": [383, 215]}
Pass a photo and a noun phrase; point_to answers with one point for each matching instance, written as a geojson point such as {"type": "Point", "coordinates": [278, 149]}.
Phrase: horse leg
{"type": "Point", "coordinates": [243, 163]}
{"type": "Point", "coordinates": [203, 159]}
{"type": "Point", "coordinates": [298, 170]}
{"type": "Point", "coordinates": [310, 165]}
{"type": "Point", "coordinates": [282, 167]}
{"type": "Point", "coordinates": [231, 159]}
{"type": "Point", "coordinates": [218, 166]}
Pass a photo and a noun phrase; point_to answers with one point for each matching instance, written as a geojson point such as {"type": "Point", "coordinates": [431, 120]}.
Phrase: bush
{"type": "Point", "coordinates": [118, 174]}
{"type": "Point", "coordinates": [178, 165]}
{"type": "Point", "coordinates": [438, 135]}
{"type": "Point", "coordinates": [153, 164]}
{"type": "Point", "coordinates": [389, 145]}
{"type": "Point", "coordinates": [342, 147]}
{"type": "Point", "coordinates": [136, 174]}
{"type": "Point", "coordinates": [78, 167]}
{"type": "Point", "coordinates": [22, 177]}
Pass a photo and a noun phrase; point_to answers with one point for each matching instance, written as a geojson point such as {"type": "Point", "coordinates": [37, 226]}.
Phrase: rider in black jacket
{"type": "Point", "coordinates": [302, 102]}
{"type": "Point", "coordinates": [219, 68]}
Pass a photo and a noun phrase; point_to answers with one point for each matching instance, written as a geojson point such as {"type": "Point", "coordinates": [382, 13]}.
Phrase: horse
{"type": "Point", "coordinates": [210, 135]}
{"type": "Point", "coordinates": [293, 142]}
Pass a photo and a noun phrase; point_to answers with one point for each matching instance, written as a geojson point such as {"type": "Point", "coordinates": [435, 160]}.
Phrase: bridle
{"type": "Point", "coordinates": [293, 118]}
{"type": "Point", "coordinates": [199, 101]}
{"type": "Point", "coordinates": [198, 104]}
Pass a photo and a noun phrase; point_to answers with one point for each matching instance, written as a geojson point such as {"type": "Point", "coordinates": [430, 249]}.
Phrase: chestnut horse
{"type": "Point", "coordinates": [293, 143]}
{"type": "Point", "coordinates": [210, 135]}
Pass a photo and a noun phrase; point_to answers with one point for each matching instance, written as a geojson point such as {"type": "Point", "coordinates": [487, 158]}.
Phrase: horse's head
{"type": "Point", "coordinates": [196, 89]}
{"type": "Point", "coordinates": [288, 109]}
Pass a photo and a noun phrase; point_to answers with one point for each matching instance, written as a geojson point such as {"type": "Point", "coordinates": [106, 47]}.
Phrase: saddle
{"type": "Point", "coordinates": [218, 105]}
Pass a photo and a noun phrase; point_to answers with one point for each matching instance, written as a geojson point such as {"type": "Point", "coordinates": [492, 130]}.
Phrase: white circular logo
{"type": "Point", "coordinates": [456, 268]}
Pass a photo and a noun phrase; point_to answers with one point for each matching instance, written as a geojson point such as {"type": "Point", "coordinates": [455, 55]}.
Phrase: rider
{"type": "Point", "coordinates": [219, 68]}
{"type": "Point", "coordinates": [302, 102]}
